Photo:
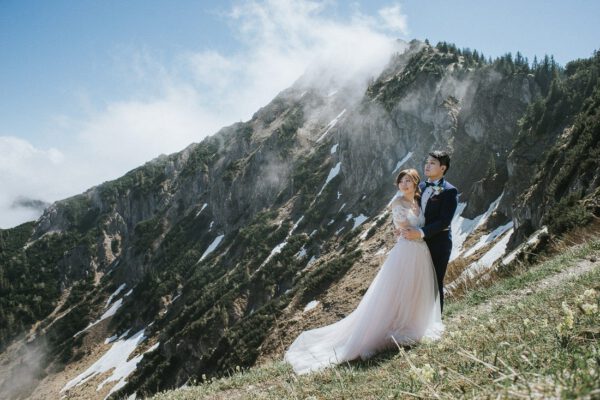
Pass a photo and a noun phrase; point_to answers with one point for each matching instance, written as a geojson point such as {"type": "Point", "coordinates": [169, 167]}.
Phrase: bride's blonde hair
{"type": "Point", "coordinates": [414, 176]}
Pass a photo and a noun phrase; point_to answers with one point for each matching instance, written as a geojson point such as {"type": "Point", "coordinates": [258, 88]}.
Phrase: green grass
{"type": "Point", "coordinates": [542, 344]}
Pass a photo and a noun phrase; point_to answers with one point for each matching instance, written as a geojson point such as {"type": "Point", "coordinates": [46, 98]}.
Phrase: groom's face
{"type": "Point", "coordinates": [433, 169]}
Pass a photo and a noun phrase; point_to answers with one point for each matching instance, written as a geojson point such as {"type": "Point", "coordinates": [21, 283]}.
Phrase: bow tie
{"type": "Point", "coordinates": [427, 184]}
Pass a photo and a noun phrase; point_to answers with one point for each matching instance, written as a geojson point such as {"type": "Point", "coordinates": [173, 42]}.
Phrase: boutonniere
{"type": "Point", "coordinates": [437, 190]}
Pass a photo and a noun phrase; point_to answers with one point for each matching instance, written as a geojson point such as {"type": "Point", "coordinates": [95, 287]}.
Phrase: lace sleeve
{"type": "Point", "coordinates": [399, 215]}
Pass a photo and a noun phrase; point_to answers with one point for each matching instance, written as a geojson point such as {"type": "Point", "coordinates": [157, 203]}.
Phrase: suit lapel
{"type": "Point", "coordinates": [442, 184]}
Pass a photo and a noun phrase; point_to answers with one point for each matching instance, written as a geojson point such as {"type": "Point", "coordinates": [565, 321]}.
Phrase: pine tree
{"type": "Point", "coordinates": [224, 316]}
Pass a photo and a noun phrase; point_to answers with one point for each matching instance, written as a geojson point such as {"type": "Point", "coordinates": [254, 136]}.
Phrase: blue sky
{"type": "Point", "coordinates": [78, 76]}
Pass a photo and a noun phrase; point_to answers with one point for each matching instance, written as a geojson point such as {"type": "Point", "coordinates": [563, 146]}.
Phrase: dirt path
{"type": "Point", "coordinates": [582, 267]}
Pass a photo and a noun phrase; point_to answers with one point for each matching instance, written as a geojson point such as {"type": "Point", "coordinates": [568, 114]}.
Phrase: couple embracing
{"type": "Point", "coordinates": [404, 302]}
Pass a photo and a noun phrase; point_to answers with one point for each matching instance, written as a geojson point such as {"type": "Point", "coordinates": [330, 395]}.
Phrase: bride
{"type": "Point", "coordinates": [401, 305]}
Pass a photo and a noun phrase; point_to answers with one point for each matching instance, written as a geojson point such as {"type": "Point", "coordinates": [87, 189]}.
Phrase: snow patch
{"type": "Point", "coordinates": [462, 227]}
{"type": "Point", "coordinates": [202, 209]}
{"type": "Point", "coordinates": [401, 162]}
{"type": "Point", "coordinates": [383, 214]}
{"type": "Point", "coordinates": [115, 293]}
{"type": "Point", "coordinates": [110, 339]}
{"type": "Point", "coordinates": [281, 245]}
{"type": "Point", "coordinates": [112, 310]}
{"type": "Point", "coordinates": [332, 174]}
{"type": "Point", "coordinates": [489, 238]}
{"type": "Point", "coordinates": [311, 305]}
{"type": "Point", "coordinates": [276, 250]}
{"type": "Point", "coordinates": [153, 347]}
{"type": "Point", "coordinates": [363, 235]}
{"type": "Point", "coordinates": [295, 225]}
{"type": "Point", "coordinates": [334, 148]}
{"type": "Point", "coordinates": [212, 247]}
{"type": "Point", "coordinates": [211, 225]}
{"type": "Point", "coordinates": [301, 254]}
{"type": "Point", "coordinates": [497, 251]}
{"type": "Point", "coordinates": [113, 267]}
{"type": "Point", "coordinates": [359, 220]}
{"type": "Point", "coordinates": [331, 125]}
{"type": "Point", "coordinates": [312, 260]}
{"type": "Point", "coordinates": [116, 359]}
{"type": "Point", "coordinates": [485, 262]}
{"type": "Point", "coordinates": [108, 313]}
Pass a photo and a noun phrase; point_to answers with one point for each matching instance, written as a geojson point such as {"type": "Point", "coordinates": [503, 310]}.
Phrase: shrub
{"type": "Point", "coordinates": [567, 214]}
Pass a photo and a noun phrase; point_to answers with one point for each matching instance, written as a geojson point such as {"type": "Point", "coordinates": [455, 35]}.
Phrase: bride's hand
{"type": "Point", "coordinates": [411, 234]}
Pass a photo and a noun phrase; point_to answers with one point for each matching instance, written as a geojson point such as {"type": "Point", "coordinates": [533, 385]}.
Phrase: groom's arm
{"type": "Point", "coordinates": [444, 220]}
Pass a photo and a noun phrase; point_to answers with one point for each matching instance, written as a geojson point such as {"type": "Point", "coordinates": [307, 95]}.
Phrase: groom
{"type": "Point", "coordinates": [438, 201]}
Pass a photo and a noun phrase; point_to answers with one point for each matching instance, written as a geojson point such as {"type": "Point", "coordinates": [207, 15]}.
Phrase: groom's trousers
{"type": "Point", "coordinates": [440, 247]}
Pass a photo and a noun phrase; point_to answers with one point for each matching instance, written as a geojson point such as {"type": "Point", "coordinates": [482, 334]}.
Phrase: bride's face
{"type": "Point", "coordinates": [407, 185]}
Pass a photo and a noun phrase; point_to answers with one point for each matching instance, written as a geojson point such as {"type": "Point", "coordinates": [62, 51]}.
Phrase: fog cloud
{"type": "Point", "coordinates": [195, 94]}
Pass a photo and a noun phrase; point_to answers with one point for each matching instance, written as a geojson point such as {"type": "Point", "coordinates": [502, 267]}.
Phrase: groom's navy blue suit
{"type": "Point", "coordinates": [439, 211]}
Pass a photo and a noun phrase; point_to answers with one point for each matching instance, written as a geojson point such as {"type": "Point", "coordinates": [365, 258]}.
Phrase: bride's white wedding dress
{"type": "Point", "coordinates": [401, 305]}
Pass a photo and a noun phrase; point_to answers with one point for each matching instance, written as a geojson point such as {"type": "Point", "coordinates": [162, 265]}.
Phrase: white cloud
{"type": "Point", "coordinates": [28, 172]}
{"type": "Point", "coordinates": [176, 102]}
{"type": "Point", "coordinates": [394, 19]}
{"type": "Point", "coordinates": [211, 69]}
{"type": "Point", "coordinates": [138, 130]}
{"type": "Point", "coordinates": [287, 38]}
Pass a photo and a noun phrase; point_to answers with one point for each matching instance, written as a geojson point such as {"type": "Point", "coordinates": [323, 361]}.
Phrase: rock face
{"type": "Point", "coordinates": [216, 242]}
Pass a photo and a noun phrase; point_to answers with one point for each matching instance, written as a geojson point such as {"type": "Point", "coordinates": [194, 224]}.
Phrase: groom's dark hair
{"type": "Point", "coordinates": [442, 157]}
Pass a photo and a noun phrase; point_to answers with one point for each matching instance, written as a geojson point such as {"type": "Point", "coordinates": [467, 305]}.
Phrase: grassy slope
{"type": "Point", "coordinates": [511, 339]}
{"type": "Point", "coordinates": [503, 340]}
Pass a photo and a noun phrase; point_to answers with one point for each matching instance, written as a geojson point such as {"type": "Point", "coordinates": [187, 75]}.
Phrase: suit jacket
{"type": "Point", "coordinates": [439, 211]}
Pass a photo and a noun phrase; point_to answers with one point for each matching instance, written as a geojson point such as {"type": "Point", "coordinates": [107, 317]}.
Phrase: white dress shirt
{"type": "Point", "coordinates": [425, 198]}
